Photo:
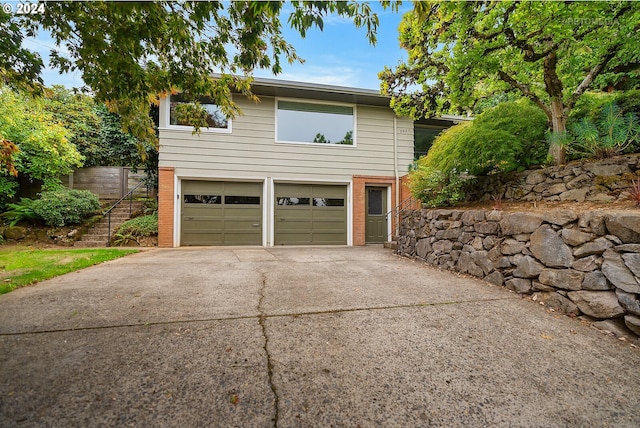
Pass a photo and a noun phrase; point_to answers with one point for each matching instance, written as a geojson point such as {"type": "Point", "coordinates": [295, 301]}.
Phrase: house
{"type": "Point", "coordinates": [308, 165]}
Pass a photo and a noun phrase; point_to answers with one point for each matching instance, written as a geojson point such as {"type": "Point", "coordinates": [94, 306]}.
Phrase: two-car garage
{"type": "Point", "coordinates": [232, 213]}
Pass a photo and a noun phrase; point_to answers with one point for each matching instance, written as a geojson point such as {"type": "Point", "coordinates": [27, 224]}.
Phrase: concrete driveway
{"type": "Point", "coordinates": [299, 337]}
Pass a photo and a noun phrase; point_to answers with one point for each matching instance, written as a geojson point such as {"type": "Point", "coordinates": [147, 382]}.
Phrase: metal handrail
{"type": "Point", "coordinates": [108, 212]}
{"type": "Point", "coordinates": [399, 209]}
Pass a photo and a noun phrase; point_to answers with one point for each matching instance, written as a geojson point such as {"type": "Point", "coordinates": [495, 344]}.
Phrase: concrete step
{"type": "Point", "coordinates": [393, 245]}
{"type": "Point", "coordinates": [90, 244]}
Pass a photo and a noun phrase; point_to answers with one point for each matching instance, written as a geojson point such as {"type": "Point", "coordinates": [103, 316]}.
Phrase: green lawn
{"type": "Point", "coordinates": [24, 266]}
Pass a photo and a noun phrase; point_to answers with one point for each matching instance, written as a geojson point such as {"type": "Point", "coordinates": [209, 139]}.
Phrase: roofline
{"type": "Point", "coordinates": [263, 81]}
{"type": "Point", "coordinates": [317, 91]}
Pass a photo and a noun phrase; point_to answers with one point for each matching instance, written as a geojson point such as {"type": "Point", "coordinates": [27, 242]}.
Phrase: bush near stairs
{"type": "Point", "coordinates": [98, 235]}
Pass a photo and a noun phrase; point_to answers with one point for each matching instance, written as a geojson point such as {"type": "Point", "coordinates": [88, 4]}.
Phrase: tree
{"type": "Point", "coordinates": [129, 53]}
{"type": "Point", "coordinates": [320, 138]}
{"type": "Point", "coordinates": [34, 144]}
{"type": "Point", "coordinates": [549, 52]}
{"type": "Point", "coordinates": [77, 113]}
{"type": "Point", "coordinates": [347, 139]}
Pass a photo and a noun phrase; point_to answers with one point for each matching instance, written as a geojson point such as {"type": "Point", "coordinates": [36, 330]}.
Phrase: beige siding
{"type": "Point", "coordinates": [250, 149]}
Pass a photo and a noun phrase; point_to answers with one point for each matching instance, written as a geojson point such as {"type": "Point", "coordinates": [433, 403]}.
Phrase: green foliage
{"type": "Point", "coordinates": [64, 206]}
{"type": "Point", "coordinates": [347, 139]}
{"type": "Point", "coordinates": [612, 134]}
{"type": "Point", "coordinates": [548, 52]}
{"type": "Point", "coordinates": [591, 104]}
{"type": "Point", "coordinates": [321, 139]}
{"type": "Point", "coordinates": [21, 211]}
{"type": "Point", "coordinates": [129, 52]}
{"type": "Point", "coordinates": [504, 138]}
{"type": "Point", "coordinates": [135, 228]}
{"type": "Point", "coordinates": [43, 150]}
{"type": "Point", "coordinates": [435, 188]}
{"type": "Point", "coordinates": [118, 148]}
{"type": "Point", "coordinates": [8, 189]}
{"type": "Point", "coordinates": [76, 112]}
{"type": "Point", "coordinates": [193, 114]}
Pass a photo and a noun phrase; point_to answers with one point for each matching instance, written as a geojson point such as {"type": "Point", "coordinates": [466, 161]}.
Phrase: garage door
{"type": "Point", "coordinates": [310, 214]}
{"type": "Point", "coordinates": [221, 213]}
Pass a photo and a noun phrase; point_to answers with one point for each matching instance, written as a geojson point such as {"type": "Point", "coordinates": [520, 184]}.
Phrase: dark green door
{"type": "Point", "coordinates": [221, 213]}
{"type": "Point", "coordinates": [310, 214]}
{"type": "Point", "coordinates": [375, 216]}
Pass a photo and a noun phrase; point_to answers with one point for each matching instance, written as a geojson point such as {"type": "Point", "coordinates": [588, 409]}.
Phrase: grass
{"type": "Point", "coordinates": [20, 267]}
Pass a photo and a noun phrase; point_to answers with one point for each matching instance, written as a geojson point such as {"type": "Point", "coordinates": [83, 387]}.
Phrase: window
{"type": "Point", "coordinates": [292, 200]}
{"type": "Point", "coordinates": [242, 200]}
{"type": "Point", "coordinates": [300, 122]}
{"type": "Point", "coordinates": [423, 137]}
{"type": "Point", "coordinates": [328, 202]}
{"type": "Point", "coordinates": [202, 199]}
{"type": "Point", "coordinates": [181, 112]}
{"type": "Point", "coordinates": [375, 202]}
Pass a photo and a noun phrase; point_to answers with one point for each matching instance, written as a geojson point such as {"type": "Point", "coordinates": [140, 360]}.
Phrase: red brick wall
{"type": "Point", "coordinates": [166, 199]}
{"type": "Point", "coordinates": [359, 201]}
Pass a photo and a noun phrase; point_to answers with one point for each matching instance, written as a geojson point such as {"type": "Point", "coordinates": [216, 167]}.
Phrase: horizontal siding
{"type": "Point", "coordinates": [250, 149]}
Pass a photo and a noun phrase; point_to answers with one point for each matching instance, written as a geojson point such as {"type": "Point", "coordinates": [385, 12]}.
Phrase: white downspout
{"type": "Point", "coordinates": [395, 170]}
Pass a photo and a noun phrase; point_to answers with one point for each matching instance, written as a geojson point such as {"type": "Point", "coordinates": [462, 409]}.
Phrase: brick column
{"type": "Point", "coordinates": [166, 198]}
{"type": "Point", "coordinates": [359, 201]}
{"type": "Point", "coordinates": [359, 211]}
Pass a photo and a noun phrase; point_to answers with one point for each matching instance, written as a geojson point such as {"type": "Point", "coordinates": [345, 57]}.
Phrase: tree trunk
{"type": "Point", "coordinates": [557, 148]}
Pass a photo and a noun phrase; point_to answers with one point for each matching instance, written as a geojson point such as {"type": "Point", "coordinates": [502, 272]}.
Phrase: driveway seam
{"type": "Point", "coordinates": [262, 315]}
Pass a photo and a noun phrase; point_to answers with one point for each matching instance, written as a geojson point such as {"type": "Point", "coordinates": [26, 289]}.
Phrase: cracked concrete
{"type": "Point", "coordinates": [261, 319]}
{"type": "Point", "coordinates": [286, 337]}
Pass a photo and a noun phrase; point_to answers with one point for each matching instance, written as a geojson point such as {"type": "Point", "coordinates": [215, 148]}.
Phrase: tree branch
{"type": "Point", "coordinates": [525, 91]}
{"type": "Point", "coordinates": [589, 78]}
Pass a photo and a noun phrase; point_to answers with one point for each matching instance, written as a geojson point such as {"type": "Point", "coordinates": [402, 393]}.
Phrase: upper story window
{"type": "Point", "coordinates": [302, 122]}
{"type": "Point", "coordinates": [205, 115]}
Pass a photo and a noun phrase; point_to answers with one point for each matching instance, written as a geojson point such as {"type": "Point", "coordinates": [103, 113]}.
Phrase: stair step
{"type": "Point", "coordinates": [393, 245]}
{"type": "Point", "coordinates": [90, 244]}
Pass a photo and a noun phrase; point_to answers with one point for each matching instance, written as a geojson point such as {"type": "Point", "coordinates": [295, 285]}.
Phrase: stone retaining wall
{"type": "Point", "coordinates": [580, 264]}
{"type": "Point", "coordinates": [579, 181]}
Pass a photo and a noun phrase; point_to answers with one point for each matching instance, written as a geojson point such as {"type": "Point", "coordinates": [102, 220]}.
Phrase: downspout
{"type": "Point", "coordinates": [397, 175]}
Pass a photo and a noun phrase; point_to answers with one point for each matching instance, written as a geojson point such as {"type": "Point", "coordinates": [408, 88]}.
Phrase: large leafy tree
{"type": "Point", "coordinates": [129, 53]}
{"type": "Point", "coordinates": [549, 52]}
{"type": "Point", "coordinates": [34, 145]}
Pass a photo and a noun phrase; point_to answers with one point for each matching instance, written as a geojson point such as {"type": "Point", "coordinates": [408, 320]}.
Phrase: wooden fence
{"type": "Point", "coordinates": [109, 182]}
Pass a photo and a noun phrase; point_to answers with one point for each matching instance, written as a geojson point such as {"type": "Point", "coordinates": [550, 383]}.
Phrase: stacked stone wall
{"type": "Point", "coordinates": [601, 181]}
{"type": "Point", "coordinates": [582, 264]}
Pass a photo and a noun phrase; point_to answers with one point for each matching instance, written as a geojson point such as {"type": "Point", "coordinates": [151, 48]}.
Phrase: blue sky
{"type": "Point", "coordinates": [339, 55]}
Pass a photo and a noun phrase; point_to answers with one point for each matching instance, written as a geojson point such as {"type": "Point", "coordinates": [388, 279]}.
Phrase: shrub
{"type": "Point", "coordinates": [65, 206]}
{"type": "Point", "coordinates": [507, 137]}
{"type": "Point", "coordinates": [8, 188]}
{"type": "Point", "coordinates": [146, 225]}
{"type": "Point", "coordinates": [613, 133]}
{"type": "Point", "coordinates": [21, 211]}
{"type": "Point", "coordinates": [435, 188]}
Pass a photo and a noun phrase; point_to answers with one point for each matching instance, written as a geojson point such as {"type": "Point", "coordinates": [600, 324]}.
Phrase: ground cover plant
{"type": "Point", "coordinates": [25, 266]}
{"type": "Point", "coordinates": [136, 228]}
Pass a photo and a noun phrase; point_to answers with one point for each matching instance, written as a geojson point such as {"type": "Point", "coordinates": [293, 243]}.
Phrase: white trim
{"type": "Point", "coordinates": [349, 201]}
{"type": "Point", "coordinates": [177, 207]}
{"type": "Point", "coordinates": [311, 101]}
{"type": "Point", "coordinates": [177, 217]}
{"type": "Point", "coordinates": [266, 212]}
{"type": "Point", "coordinates": [389, 208]}
{"type": "Point", "coordinates": [268, 206]}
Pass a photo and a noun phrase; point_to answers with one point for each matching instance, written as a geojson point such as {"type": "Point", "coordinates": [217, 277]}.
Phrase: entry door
{"type": "Point", "coordinates": [376, 218]}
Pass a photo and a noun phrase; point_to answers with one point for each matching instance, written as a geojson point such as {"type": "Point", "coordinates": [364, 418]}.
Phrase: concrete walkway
{"type": "Point", "coordinates": [299, 337]}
